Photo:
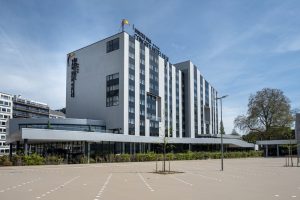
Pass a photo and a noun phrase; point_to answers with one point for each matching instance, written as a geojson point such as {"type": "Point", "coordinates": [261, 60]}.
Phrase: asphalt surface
{"type": "Point", "coordinates": [242, 179]}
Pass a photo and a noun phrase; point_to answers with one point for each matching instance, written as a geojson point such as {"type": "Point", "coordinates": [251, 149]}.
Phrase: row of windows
{"type": "Point", "coordinates": [5, 103]}
{"type": "Point", "coordinates": [6, 97]}
{"type": "Point", "coordinates": [112, 88]}
{"type": "Point", "coordinates": [2, 130]}
{"type": "Point", "coordinates": [2, 123]}
{"type": "Point", "coordinates": [2, 116]}
{"type": "Point", "coordinates": [112, 101]}
{"type": "Point", "coordinates": [7, 110]}
{"type": "Point", "coordinates": [112, 77]}
{"type": "Point", "coordinates": [3, 144]}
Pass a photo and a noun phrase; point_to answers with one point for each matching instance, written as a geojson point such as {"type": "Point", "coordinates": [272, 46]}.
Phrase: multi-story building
{"type": "Point", "coordinates": [126, 81]}
{"type": "Point", "coordinates": [5, 115]}
{"type": "Point", "coordinates": [26, 108]}
{"type": "Point", "coordinates": [122, 96]}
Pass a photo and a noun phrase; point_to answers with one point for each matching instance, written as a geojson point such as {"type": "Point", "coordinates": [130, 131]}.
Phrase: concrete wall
{"type": "Point", "coordinates": [90, 87]}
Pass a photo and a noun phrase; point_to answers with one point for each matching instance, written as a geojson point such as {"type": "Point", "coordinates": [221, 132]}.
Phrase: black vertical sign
{"type": "Point", "coordinates": [74, 72]}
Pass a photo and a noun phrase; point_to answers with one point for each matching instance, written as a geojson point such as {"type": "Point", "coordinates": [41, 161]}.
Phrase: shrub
{"type": "Point", "coordinates": [53, 160]}
{"type": "Point", "coordinates": [33, 159]}
{"type": "Point", "coordinates": [4, 161]}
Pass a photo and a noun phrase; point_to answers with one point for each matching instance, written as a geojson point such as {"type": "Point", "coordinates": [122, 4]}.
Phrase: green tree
{"type": "Point", "coordinates": [235, 133]}
{"type": "Point", "coordinates": [268, 110]}
{"type": "Point", "coordinates": [222, 131]}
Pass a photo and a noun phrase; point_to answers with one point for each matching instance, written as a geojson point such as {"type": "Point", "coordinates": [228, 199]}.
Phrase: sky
{"type": "Point", "coordinates": [239, 46]}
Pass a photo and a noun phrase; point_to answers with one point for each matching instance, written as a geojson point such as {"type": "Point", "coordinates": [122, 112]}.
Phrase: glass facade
{"type": "Point", "coordinates": [195, 102]}
{"type": "Point", "coordinates": [131, 84]}
{"type": "Point", "coordinates": [142, 90]}
{"type": "Point", "coordinates": [177, 103]}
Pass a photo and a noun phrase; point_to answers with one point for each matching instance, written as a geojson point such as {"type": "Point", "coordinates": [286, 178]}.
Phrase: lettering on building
{"type": "Point", "coordinates": [139, 36]}
{"type": "Point", "coordinates": [74, 72]}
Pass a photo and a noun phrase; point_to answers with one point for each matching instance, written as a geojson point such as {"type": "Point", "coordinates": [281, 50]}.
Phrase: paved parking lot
{"type": "Point", "coordinates": [257, 178]}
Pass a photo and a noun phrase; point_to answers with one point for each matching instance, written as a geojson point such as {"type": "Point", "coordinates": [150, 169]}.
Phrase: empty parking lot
{"type": "Point", "coordinates": [257, 178]}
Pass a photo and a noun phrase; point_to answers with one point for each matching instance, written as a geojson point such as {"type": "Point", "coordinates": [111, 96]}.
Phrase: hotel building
{"type": "Point", "coordinates": [126, 81]}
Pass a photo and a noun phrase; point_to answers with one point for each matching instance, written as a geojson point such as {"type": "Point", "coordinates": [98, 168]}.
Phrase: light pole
{"type": "Point", "coordinates": [222, 149]}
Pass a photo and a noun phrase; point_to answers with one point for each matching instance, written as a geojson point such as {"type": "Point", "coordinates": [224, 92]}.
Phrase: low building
{"type": "Point", "coordinates": [54, 114]}
{"type": "Point", "coordinates": [73, 137]}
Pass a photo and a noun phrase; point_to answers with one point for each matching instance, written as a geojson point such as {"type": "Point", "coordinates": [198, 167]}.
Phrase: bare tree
{"type": "Point", "coordinates": [267, 109]}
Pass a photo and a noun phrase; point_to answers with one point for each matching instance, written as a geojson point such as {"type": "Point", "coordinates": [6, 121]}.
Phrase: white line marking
{"type": "Point", "coordinates": [147, 185]}
{"type": "Point", "coordinates": [61, 186]}
{"type": "Point", "coordinates": [103, 186]}
{"type": "Point", "coordinates": [294, 196]}
{"type": "Point", "coordinates": [183, 181]}
{"type": "Point", "coordinates": [276, 195]}
{"type": "Point", "coordinates": [207, 177]}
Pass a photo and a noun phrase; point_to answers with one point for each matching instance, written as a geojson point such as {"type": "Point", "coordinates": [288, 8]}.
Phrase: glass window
{"type": "Point", "coordinates": [112, 90]}
{"type": "Point", "coordinates": [112, 45]}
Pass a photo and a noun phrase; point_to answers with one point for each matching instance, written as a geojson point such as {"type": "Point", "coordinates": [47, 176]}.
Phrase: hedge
{"type": "Point", "coordinates": [36, 159]}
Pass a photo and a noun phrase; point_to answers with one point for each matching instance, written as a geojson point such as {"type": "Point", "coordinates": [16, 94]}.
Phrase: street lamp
{"type": "Point", "coordinates": [222, 149]}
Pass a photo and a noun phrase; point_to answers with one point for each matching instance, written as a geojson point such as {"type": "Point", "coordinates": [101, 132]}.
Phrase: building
{"type": "Point", "coordinates": [54, 114]}
{"type": "Point", "coordinates": [134, 88]}
{"type": "Point", "coordinates": [26, 108]}
{"type": "Point", "coordinates": [5, 115]}
{"type": "Point", "coordinates": [126, 85]}
{"type": "Point", "coordinates": [297, 132]}
{"type": "Point", "coordinates": [19, 107]}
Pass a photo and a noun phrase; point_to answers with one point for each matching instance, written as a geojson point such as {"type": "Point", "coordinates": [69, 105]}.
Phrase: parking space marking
{"type": "Point", "coordinates": [145, 182]}
{"type": "Point", "coordinates": [19, 185]}
{"type": "Point", "coordinates": [180, 180]}
{"type": "Point", "coordinates": [103, 187]}
{"type": "Point", "coordinates": [206, 177]}
{"type": "Point", "coordinates": [60, 186]}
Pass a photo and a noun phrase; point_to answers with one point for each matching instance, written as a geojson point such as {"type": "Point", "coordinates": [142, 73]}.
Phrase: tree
{"type": "Point", "coordinates": [234, 132]}
{"type": "Point", "coordinates": [268, 109]}
{"type": "Point", "coordinates": [222, 131]}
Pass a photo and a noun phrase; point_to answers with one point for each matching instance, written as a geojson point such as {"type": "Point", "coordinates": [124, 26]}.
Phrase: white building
{"type": "Point", "coordinates": [126, 81]}
{"type": "Point", "coordinates": [5, 115]}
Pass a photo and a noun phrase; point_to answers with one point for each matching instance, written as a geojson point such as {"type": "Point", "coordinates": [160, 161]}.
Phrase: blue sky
{"type": "Point", "coordinates": [239, 46]}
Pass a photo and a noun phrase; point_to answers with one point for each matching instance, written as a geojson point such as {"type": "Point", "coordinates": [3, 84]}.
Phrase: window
{"type": "Point", "coordinates": [131, 44]}
{"type": "Point", "coordinates": [131, 77]}
{"type": "Point", "coordinates": [112, 45]}
{"type": "Point", "coordinates": [131, 66]}
{"type": "Point", "coordinates": [131, 98]}
{"type": "Point", "coordinates": [131, 55]}
{"type": "Point", "coordinates": [131, 109]}
{"type": "Point", "coordinates": [112, 90]}
{"type": "Point", "coordinates": [142, 61]}
{"type": "Point", "coordinates": [131, 87]}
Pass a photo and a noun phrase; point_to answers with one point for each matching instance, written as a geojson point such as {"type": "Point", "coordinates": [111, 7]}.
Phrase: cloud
{"type": "Point", "coordinates": [288, 45]}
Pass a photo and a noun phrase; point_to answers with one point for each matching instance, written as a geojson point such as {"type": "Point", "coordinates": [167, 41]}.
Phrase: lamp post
{"type": "Point", "coordinates": [222, 149]}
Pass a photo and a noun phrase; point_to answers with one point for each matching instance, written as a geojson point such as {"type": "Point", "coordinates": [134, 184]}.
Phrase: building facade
{"type": "Point", "coordinates": [26, 108]}
{"type": "Point", "coordinates": [126, 81]}
{"type": "Point", "coordinates": [297, 132]}
{"type": "Point", "coordinates": [5, 115]}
